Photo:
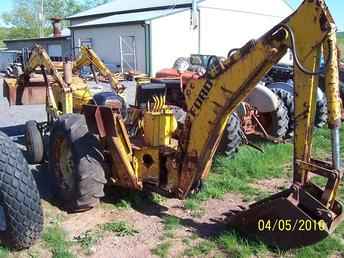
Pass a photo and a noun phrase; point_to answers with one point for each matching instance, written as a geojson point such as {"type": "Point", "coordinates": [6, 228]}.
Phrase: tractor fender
{"type": "Point", "coordinates": [263, 99]}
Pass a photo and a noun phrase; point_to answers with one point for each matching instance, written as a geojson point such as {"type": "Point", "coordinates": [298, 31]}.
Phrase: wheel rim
{"type": "Point", "coordinates": [28, 142]}
{"type": "Point", "coordinates": [66, 166]}
{"type": "Point", "coordinates": [3, 224]}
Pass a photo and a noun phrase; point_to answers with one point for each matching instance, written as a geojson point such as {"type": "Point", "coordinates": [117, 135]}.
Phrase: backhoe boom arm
{"type": "Point", "coordinates": [210, 100]}
{"type": "Point", "coordinates": [89, 57]}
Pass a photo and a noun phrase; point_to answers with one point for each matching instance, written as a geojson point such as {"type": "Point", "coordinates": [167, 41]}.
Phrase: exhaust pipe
{"type": "Point", "coordinates": [67, 72]}
{"type": "Point", "coordinates": [56, 22]}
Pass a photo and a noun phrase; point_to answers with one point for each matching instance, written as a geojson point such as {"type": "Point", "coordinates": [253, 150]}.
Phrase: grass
{"type": "Point", "coordinates": [120, 228]}
{"type": "Point", "coordinates": [233, 245]}
{"type": "Point", "coordinates": [55, 239]}
{"type": "Point", "coordinates": [4, 252]}
{"type": "Point", "coordinates": [91, 237]}
{"type": "Point", "coordinates": [171, 223]}
{"type": "Point", "coordinates": [127, 199]}
{"type": "Point", "coordinates": [162, 249]}
{"type": "Point", "coordinates": [235, 175]}
{"type": "Point", "coordinates": [201, 249]}
{"type": "Point", "coordinates": [248, 166]}
{"type": "Point", "coordinates": [88, 239]}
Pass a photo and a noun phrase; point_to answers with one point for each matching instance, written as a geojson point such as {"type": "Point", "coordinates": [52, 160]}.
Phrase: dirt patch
{"type": "Point", "coordinates": [273, 185]}
{"type": "Point", "coordinates": [150, 227]}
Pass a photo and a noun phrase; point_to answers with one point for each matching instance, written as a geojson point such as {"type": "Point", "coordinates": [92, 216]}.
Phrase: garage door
{"type": "Point", "coordinates": [55, 52]}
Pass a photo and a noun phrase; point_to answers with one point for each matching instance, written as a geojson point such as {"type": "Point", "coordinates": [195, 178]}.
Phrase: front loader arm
{"type": "Point", "coordinates": [89, 57]}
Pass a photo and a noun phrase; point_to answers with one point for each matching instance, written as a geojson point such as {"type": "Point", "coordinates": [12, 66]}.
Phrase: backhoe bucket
{"type": "Point", "coordinates": [290, 219]}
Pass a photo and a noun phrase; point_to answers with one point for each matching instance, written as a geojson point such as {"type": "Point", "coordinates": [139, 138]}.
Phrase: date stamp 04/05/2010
{"type": "Point", "coordinates": [291, 225]}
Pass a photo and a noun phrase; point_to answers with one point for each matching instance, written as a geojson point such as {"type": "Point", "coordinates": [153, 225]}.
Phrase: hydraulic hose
{"type": "Point", "coordinates": [296, 58]}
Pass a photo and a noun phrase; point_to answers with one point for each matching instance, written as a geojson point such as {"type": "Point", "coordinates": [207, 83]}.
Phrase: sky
{"type": "Point", "coordinates": [336, 7]}
{"type": "Point", "coordinates": [5, 6]}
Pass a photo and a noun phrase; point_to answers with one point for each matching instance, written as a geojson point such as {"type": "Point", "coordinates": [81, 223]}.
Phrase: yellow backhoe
{"type": "Point", "coordinates": [152, 151]}
{"type": "Point", "coordinates": [88, 57]}
{"type": "Point", "coordinates": [62, 92]}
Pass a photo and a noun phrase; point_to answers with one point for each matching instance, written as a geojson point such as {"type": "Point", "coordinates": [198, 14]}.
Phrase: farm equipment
{"type": "Point", "coordinates": [21, 216]}
{"type": "Point", "coordinates": [89, 57]}
{"type": "Point", "coordinates": [280, 80]}
{"type": "Point", "coordinates": [152, 151]}
{"type": "Point", "coordinates": [262, 113]}
{"type": "Point", "coordinates": [61, 92]}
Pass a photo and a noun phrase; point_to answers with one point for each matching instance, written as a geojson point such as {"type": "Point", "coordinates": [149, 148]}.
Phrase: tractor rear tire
{"type": "Point", "coordinates": [321, 113]}
{"type": "Point", "coordinates": [21, 214]}
{"type": "Point", "coordinates": [288, 102]}
{"type": "Point", "coordinates": [280, 122]}
{"type": "Point", "coordinates": [231, 138]}
{"type": "Point", "coordinates": [76, 162]}
{"type": "Point", "coordinates": [34, 143]}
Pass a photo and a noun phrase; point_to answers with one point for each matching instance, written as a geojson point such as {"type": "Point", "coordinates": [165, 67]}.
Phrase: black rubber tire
{"type": "Point", "coordinates": [33, 142]}
{"type": "Point", "coordinates": [231, 138]}
{"type": "Point", "coordinates": [321, 113]}
{"type": "Point", "coordinates": [280, 122]}
{"type": "Point", "coordinates": [287, 99]}
{"type": "Point", "coordinates": [19, 198]}
{"type": "Point", "coordinates": [88, 173]}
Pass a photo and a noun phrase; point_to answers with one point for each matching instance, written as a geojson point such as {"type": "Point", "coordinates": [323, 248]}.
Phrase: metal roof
{"type": "Point", "coordinates": [37, 39]}
{"type": "Point", "coordinates": [65, 32]}
{"type": "Point", "coordinates": [122, 6]}
{"type": "Point", "coordinates": [129, 17]}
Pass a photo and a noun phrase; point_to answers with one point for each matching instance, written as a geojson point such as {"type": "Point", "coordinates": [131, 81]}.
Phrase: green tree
{"type": "Point", "coordinates": [94, 3]}
{"type": "Point", "coordinates": [23, 21]}
{"type": "Point", "coordinates": [3, 35]}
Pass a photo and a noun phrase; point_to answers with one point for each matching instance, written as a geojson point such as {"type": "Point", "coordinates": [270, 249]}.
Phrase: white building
{"type": "Point", "coordinates": [149, 35]}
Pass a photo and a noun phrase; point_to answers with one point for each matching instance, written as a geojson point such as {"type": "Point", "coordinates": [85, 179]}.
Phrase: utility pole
{"type": "Point", "coordinates": [41, 19]}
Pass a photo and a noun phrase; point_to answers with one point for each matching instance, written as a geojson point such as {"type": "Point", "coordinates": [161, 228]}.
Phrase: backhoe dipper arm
{"type": "Point", "coordinates": [89, 57]}
{"type": "Point", "coordinates": [211, 99]}
{"type": "Point", "coordinates": [39, 57]}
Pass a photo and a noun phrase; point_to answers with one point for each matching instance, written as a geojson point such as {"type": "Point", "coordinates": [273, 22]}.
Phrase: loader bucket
{"type": "Point", "coordinates": [290, 219]}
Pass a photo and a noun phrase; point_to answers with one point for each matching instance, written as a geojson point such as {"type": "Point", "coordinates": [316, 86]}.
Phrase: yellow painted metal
{"type": "Point", "coordinates": [159, 124]}
{"type": "Point", "coordinates": [59, 93]}
{"type": "Point", "coordinates": [211, 99]}
{"type": "Point", "coordinates": [81, 93]}
{"type": "Point", "coordinates": [89, 57]}
{"type": "Point", "coordinates": [151, 156]}
{"type": "Point", "coordinates": [148, 164]}
{"type": "Point", "coordinates": [125, 165]}
{"type": "Point", "coordinates": [11, 82]}
{"type": "Point", "coordinates": [332, 80]}
{"type": "Point", "coordinates": [309, 39]}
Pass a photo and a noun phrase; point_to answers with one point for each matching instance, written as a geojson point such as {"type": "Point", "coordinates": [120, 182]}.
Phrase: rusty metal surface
{"type": "Point", "coordinates": [33, 93]}
{"type": "Point", "coordinates": [108, 124]}
{"type": "Point", "coordinates": [285, 215]}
